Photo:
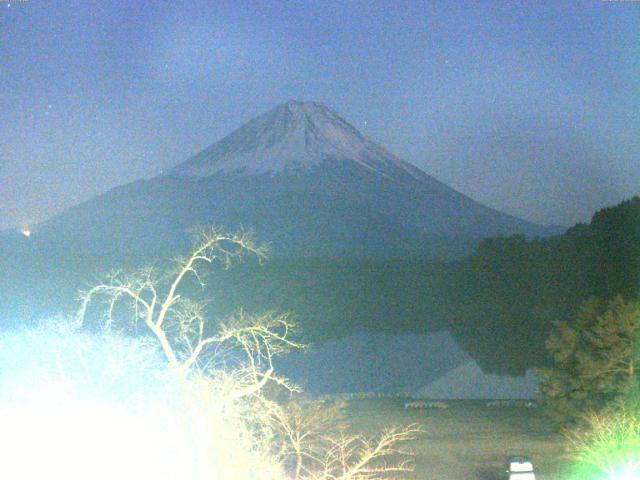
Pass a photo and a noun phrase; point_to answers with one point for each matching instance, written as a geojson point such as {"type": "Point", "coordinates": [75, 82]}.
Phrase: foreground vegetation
{"type": "Point", "coordinates": [595, 361]}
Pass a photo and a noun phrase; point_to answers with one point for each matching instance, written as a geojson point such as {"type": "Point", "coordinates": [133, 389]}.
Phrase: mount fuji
{"type": "Point", "coordinates": [304, 180]}
{"type": "Point", "coordinates": [349, 224]}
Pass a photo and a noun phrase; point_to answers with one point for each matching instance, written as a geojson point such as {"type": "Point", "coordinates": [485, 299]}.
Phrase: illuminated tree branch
{"type": "Point", "coordinates": [179, 324]}
{"type": "Point", "coordinates": [305, 437]}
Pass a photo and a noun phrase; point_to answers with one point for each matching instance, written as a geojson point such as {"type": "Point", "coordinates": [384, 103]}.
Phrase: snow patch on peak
{"type": "Point", "coordinates": [293, 136]}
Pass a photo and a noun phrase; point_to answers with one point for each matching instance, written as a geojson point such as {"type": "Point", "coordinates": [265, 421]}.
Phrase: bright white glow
{"type": "Point", "coordinates": [629, 473]}
{"type": "Point", "coordinates": [25, 231]}
{"type": "Point", "coordinates": [64, 437]}
{"type": "Point", "coordinates": [76, 406]}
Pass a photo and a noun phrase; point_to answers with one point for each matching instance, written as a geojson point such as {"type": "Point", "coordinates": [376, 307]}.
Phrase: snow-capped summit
{"type": "Point", "coordinates": [293, 136]}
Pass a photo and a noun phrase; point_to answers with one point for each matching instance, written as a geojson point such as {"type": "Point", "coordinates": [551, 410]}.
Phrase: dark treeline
{"type": "Point", "coordinates": [500, 302]}
{"type": "Point", "coordinates": [506, 296]}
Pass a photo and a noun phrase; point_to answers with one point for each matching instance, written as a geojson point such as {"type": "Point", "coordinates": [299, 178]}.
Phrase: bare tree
{"type": "Point", "coordinates": [355, 457]}
{"type": "Point", "coordinates": [317, 445]}
{"type": "Point", "coordinates": [303, 426]}
{"type": "Point", "coordinates": [179, 323]}
{"type": "Point", "coordinates": [306, 438]}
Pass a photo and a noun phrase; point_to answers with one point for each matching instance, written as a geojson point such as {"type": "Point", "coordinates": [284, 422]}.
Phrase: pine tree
{"type": "Point", "coordinates": [594, 360]}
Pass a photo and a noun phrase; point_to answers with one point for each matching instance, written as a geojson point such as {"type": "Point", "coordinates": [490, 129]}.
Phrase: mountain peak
{"type": "Point", "coordinates": [299, 105]}
{"type": "Point", "coordinates": [295, 114]}
{"type": "Point", "coordinates": [291, 137]}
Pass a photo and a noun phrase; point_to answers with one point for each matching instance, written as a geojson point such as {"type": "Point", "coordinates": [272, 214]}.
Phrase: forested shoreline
{"type": "Point", "coordinates": [500, 302]}
{"type": "Point", "coordinates": [509, 293]}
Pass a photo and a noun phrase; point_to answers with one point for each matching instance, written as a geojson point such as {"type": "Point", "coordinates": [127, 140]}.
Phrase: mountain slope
{"type": "Point", "coordinates": [292, 137]}
{"type": "Point", "coordinates": [305, 147]}
{"type": "Point", "coordinates": [306, 181]}
{"type": "Point", "coordinates": [301, 177]}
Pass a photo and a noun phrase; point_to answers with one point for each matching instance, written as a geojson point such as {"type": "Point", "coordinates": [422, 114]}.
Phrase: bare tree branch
{"type": "Point", "coordinates": [234, 357]}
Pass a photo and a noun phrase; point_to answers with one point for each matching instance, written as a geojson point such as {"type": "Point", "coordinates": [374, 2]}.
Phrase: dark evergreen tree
{"type": "Point", "coordinates": [594, 359]}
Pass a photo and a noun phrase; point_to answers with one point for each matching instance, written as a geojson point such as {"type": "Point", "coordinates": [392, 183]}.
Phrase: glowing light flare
{"type": "Point", "coordinates": [78, 406]}
{"type": "Point", "coordinates": [60, 436]}
{"type": "Point", "coordinates": [630, 472]}
{"type": "Point", "coordinates": [25, 231]}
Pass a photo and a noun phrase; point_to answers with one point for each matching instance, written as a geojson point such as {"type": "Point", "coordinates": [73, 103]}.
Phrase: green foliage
{"type": "Point", "coordinates": [594, 359]}
{"type": "Point", "coordinates": [606, 446]}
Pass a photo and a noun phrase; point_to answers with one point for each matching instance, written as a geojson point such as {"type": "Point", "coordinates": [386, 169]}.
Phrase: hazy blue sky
{"type": "Point", "coordinates": [532, 107]}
